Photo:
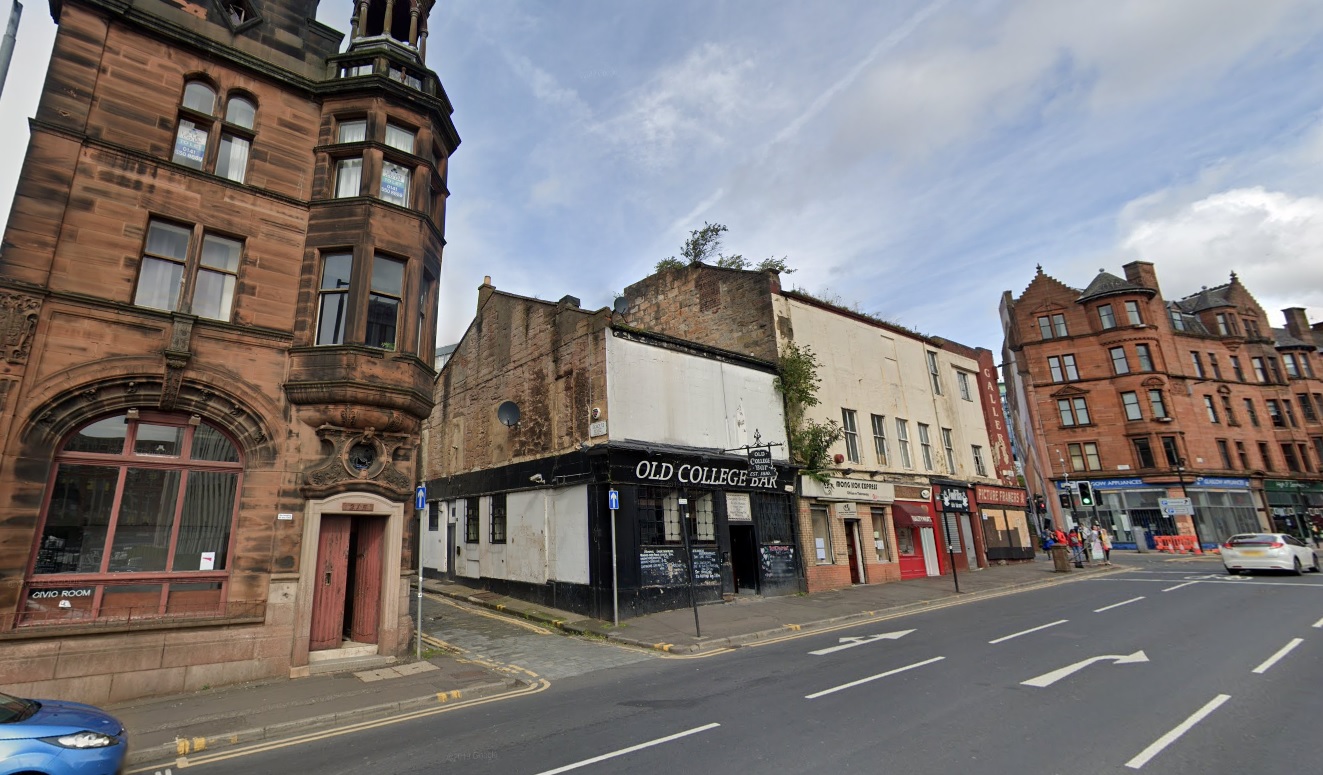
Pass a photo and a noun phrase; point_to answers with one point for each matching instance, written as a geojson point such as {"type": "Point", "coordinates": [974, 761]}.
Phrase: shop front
{"type": "Point", "coordinates": [1295, 507]}
{"type": "Point", "coordinates": [916, 539]}
{"type": "Point", "coordinates": [853, 537]}
{"type": "Point", "coordinates": [1004, 516]}
{"type": "Point", "coordinates": [1121, 506]}
{"type": "Point", "coordinates": [1223, 506]}
{"type": "Point", "coordinates": [964, 542]}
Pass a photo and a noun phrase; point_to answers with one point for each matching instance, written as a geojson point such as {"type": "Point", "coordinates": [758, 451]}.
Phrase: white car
{"type": "Point", "coordinates": [1267, 551]}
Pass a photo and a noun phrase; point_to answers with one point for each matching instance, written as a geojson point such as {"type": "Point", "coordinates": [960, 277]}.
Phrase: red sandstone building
{"type": "Point", "coordinates": [218, 288]}
{"type": "Point", "coordinates": [1150, 400]}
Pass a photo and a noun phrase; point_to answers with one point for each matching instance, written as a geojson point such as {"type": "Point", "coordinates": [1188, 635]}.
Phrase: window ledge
{"type": "Point", "coordinates": [62, 630]}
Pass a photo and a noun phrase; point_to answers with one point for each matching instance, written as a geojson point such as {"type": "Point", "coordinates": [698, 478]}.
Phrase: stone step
{"type": "Point", "coordinates": [349, 664]}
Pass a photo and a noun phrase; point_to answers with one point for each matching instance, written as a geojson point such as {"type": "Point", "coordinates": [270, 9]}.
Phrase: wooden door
{"type": "Point", "coordinates": [910, 553]}
{"type": "Point", "coordinates": [366, 603]}
{"type": "Point", "coordinates": [328, 597]}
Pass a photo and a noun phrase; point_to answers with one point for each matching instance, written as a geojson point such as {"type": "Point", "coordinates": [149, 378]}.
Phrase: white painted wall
{"type": "Point", "coordinates": [878, 371]}
{"type": "Point", "coordinates": [546, 538]}
{"type": "Point", "coordinates": [435, 556]}
{"type": "Point", "coordinates": [656, 394]}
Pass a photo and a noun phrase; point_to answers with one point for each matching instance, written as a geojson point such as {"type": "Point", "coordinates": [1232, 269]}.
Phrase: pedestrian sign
{"type": "Point", "coordinates": [613, 499]}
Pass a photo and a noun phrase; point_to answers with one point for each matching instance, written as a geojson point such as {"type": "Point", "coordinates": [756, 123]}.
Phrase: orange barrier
{"type": "Point", "coordinates": [1177, 544]}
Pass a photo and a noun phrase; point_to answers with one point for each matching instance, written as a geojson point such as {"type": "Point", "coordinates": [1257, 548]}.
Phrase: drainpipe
{"type": "Point", "coordinates": [7, 45]}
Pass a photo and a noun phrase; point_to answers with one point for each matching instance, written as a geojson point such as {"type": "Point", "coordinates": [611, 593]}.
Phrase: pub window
{"type": "Point", "coordinates": [497, 520]}
{"type": "Point", "coordinates": [139, 522]}
{"type": "Point", "coordinates": [188, 269]}
{"type": "Point", "coordinates": [471, 517]}
{"type": "Point", "coordinates": [704, 518]}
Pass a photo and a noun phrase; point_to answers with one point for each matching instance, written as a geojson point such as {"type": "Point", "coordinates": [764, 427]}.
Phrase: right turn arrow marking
{"type": "Point", "coordinates": [1047, 679]}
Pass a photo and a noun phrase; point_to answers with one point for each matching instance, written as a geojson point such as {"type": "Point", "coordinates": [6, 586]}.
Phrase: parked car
{"type": "Point", "coordinates": [1267, 551]}
{"type": "Point", "coordinates": [51, 737]}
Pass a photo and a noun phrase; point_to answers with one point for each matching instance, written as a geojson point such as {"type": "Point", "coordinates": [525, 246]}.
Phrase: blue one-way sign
{"type": "Point", "coordinates": [420, 497]}
{"type": "Point", "coordinates": [613, 499]}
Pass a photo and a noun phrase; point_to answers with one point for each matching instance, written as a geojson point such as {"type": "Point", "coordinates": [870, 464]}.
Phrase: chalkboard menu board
{"type": "Point", "coordinates": [778, 561]}
{"type": "Point", "coordinates": [667, 566]}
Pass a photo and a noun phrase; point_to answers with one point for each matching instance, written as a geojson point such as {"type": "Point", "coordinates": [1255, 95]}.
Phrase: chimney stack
{"type": "Point", "coordinates": [1141, 273]}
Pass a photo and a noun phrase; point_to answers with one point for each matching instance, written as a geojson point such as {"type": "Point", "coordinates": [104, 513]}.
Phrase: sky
{"type": "Point", "coordinates": [913, 159]}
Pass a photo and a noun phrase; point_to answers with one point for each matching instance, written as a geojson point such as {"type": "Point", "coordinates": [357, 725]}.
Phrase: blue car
{"type": "Point", "coordinates": [49, 737]}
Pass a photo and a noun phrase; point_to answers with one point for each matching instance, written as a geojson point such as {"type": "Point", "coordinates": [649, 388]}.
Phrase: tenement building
{"type": "Point", "coordinates": [1127, 405]}
{"type": "Point", "coordinates": [218, 288]}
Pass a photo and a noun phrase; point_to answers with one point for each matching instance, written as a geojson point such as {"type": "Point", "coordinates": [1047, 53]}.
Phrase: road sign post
{"type": "Point", "coordinates": [420, 505]}
{"type": "Point", "coordinates": [613, 503]}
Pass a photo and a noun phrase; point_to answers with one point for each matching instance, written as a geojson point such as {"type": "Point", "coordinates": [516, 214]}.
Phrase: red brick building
{"type": "Point", "coordinates": [218, 288]}
{"type": "Point", "coordinates": [1149, 399]}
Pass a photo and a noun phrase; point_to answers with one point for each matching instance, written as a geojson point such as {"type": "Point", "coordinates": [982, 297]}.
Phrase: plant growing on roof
{"type": "Point", "coordinates": [704, 246]}
{"type": "Point", "coordinates": [797, 380]}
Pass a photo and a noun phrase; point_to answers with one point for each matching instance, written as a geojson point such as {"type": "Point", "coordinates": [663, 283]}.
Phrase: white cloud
{"type": "Point", "coordinates": [1271, 239]}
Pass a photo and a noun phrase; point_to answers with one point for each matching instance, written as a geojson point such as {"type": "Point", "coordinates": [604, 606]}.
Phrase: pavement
{"type": "Point", "coordinates": [183, 726]}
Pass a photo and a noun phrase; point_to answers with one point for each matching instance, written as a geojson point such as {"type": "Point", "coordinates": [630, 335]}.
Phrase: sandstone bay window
{"type": "Point", "coordinates": [174, 275]}
{"type": "Point", "coordinates": [333, 298]}
{"type": "Point", "coordinates": [1130, 402]}
{"type": "Point", "coordinates": [1145, 357]}
{"type": "Point", "coordinates": [426, 337]}
{"type": "Point", "coordinates": [1132, 313]}
{"type": "Point", "coordinates": [138, 522]}
{"type": "Point", "coordinates": [1119, 363]}
{"type": "Point", "coordinates": [397, 173]}
{"type": "Point", "coordinates": [349, 169]}
{"type": "Point", "coordinates": [384, 302]}
{"type": "Point", "coordinates": [198, 128]}
{"type": "Point", "coordinates": [1156, 403]}
{"type": "Point", "coordinates": [1106, 317]}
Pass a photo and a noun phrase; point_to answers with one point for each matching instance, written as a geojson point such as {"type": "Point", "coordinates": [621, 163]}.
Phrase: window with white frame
{"type": "Point", "coordinates": [1130, 402]}
{"type": "Point", "coordinates": [1084, 456]}
{"type": "Point", "coordinates": [880, 439]}
{"type": "Point", "coordinates": [1106, 317]}
{"type": "Point", "coordinates": [1198, 362]}
{"type": "Point", "coordinates": [934, 373]}
{"type": "Point", "coordinates": [925, 447]}
{"type": "Point", "coordinates": [1145, 357]}
{"type": "Point", "coordinates": [850, 426]}
{"type": "Point", "coordinates": [1063, 368]}
{"type": "Point", "coordinates": [175, 275]}
{"type": "Point", "coordinates": [962, 382]}
{"type": "Point", "coordinates": [1132, 313]}
{"type": "Point", "coordinates": [198, 129]}
{"type": "Point", "coordinates": [949, 448]}
{"type": "Point", "coordinates": [903, 442]}
{"type": "Point", "coordinates": [1211, 408]}
{"type": "Point", "coordinates": [980, 467]}
{"type": "Point", "coordinates": [1119, 363]}
{"type": "Point", "coordinates": [1052, 326]}
{"type": "Point", "coordinates": [1156, 404]}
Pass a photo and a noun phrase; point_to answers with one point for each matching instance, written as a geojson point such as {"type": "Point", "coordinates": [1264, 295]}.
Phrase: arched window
{"type": "Point", "coordinates": [138, 522]}
{"type": "Point", "coordinates": [198, 130]}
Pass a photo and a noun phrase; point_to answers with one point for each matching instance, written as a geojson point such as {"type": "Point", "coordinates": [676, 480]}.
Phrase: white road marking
{"type": "Point", "coordinates": [1178, 586]}
{"type": "Point", "coordinates": [1275, 658]}
{"type": "Point", "coordinates": [1253, 582]}
{"type": "Point", "coordinates": [1162, 742]}
{"type": "Point", "coordinates": [1318, 625]}
{"type": "Point", "coordinates": [630, 749]}
{"type": "Point", "coordinates": [1047, 679]}
{"type": "Point", "coordinates": [825, 692]}
{"type": "Point", "coordinates": [859, 640]}
{"type": "Point", "coordinates": [1118, 605]}
{"type": "Point", "coordinates": [1026, 632]}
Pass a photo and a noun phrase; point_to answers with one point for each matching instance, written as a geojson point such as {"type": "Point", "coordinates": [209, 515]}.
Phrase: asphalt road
{"type": "Point", "coordinates": [1169, 667]}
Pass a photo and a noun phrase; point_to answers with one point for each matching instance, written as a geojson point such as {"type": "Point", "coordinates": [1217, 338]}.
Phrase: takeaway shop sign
{"type": "Point", "coordinates": [660, 472]}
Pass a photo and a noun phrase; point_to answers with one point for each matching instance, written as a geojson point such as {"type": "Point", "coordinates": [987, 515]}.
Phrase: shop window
{"type": "Point", "coordinates": [188, 269]}
{"type": "Point", "coordinates": [822, 551]}
{"type": "Point", "coordinates": [880, 439]}
{"type": "Point", "coordinates": [496, 521]}
{"type": "Point", "coordinates": [1106, 317]}
{"type": "Point", "coordinates": [850, 431]}
{"type": "Point", "coordinates": [138, 524]}
{"type": "Point", "coordinates": [881, 549]}
{"type": "Point", "coordinates": [198, 128]}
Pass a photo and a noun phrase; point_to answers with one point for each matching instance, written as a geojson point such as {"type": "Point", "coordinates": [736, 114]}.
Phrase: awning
{"type": "Point", "coordinates": [911, 515]}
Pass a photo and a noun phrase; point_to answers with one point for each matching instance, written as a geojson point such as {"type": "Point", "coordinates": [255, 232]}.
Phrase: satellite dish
{"type": "Point", "coordinates": [621, 305]}
{"type": "Point", "coordinates": [508, 414]}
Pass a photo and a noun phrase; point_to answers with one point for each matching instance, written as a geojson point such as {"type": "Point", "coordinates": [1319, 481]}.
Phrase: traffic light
{"type": "Point", "coordinates": [1086, 494]}
{"type": "Point", "coordinates": [1040, 506]}
{"type": "Point", "coordinates": [1067, 501]}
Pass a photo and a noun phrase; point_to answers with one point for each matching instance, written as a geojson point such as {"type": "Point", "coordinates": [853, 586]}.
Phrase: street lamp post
{"type": "Point", "coordinates": [1194, 519]}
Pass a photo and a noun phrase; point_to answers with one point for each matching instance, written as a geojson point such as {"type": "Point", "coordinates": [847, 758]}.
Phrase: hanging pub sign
{"type": "Point", "coordinates": [760, 463]}
{"type": "Point", "coordinates": [954, 499]}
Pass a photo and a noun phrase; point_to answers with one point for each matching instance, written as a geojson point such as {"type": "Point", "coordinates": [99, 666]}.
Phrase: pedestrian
{"type": "Point", "coordinates": [1106, 542]}
{"type": "Point", "coordinates": [1076, 547]}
